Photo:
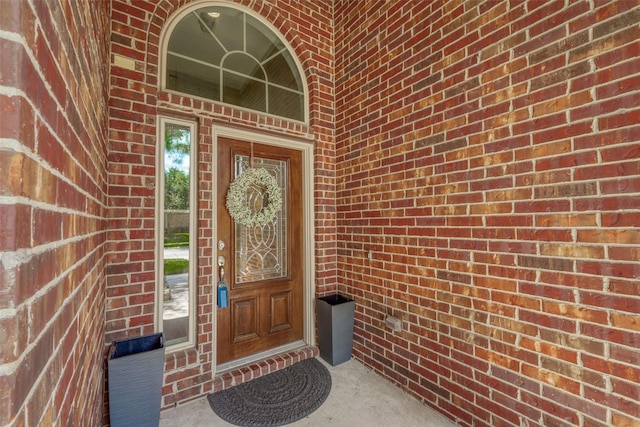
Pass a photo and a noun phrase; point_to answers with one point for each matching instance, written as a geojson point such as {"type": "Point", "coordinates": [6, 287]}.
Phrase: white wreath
{"type": "Point", "coordinates": [237, 205]}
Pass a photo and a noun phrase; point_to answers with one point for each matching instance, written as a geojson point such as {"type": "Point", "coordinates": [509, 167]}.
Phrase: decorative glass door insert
{"type": "Point", "coordinates": [261, 252]}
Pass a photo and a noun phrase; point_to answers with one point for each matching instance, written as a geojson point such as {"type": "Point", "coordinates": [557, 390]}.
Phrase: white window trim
{"type": "Point", "coordinates": [193, 229]}
{"type": "Point", "coordinates": [170, 25]}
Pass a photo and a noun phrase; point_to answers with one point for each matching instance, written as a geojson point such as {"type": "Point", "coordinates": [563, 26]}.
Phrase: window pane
{"type": "Point", "coordinates": [261, 252]}
{"type": "Point", "coordinates": [229, 27]}
{"type": "Point", "coordinates": [192, 38]}
{"type": "Point", "coordinates": [279, 71]}
{"type": "Point", "coordinates": [244, 92]}
{"type": "Point", "coordinates": [223, 54]}
{"type": "Point", "coordinates": [286, 103]}
{"type": "Point", "coordinates": [261, 42]}
{"type": "Point", "coordinates": [243, 64]}
{"type": "Point", "coordinates": [176, 233]}
{"type": "Point", "coordinates": [192, 77]}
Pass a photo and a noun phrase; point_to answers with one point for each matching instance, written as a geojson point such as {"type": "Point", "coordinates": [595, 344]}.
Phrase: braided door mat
{"type": "Point", "coordinates": [276, 399]}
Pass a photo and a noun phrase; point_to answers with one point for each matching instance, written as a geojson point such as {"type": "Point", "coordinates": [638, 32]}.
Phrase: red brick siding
{"type": "Point", "coordinates": [53, 201]}
{"type": "Point", "coordinates": [488, 161]}
{"type": "Point", "coordinates": [135, 101]}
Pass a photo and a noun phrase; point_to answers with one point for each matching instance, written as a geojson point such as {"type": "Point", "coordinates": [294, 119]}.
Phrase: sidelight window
{"type": "Point", "coordinates": [176, 233]}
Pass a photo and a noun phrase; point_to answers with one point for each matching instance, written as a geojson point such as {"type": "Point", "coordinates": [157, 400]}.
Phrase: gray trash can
{"type": "Point", "coordinates": [335, 328]}
{"type": "Point", "coordinates": [136, 370]}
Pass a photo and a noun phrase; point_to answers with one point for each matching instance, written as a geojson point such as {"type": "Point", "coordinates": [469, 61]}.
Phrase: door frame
{"type": "Point", "coordinates": [308, 244]}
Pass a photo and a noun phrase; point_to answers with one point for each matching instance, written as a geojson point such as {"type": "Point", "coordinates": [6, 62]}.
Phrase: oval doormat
{"type": "Point", "coordinates": [275, 399]}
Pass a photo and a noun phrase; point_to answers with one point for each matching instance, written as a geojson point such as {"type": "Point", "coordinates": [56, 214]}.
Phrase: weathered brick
{"type": "Point", "coordinates": [574, 403]}
{"type": "Point", "coordinates": [612, 25]}
{"type": "Point", "coordinates": [15, 227]}
{"type": "Point", "coordinates": [484, 69]}
{"type": "Point", "coordinates": [602, 45]}
{"type": "Point", "coordinates": [36, 122]}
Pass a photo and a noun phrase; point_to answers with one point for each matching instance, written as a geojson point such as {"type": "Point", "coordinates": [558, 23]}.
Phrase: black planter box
{"type": "Point", "coordinates": [136, 371]}
{"type": "Point", "coordinates": [335, 328]}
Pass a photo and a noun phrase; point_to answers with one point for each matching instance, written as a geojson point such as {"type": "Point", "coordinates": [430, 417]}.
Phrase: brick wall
{"type": "Point", "coordinates": [135, 102]}
{"type": "Point", "coordinates": [488, 194]}
{"type": "Point", "coordinates": [52, 211]}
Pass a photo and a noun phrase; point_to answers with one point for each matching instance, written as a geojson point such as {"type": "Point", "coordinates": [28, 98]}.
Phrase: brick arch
{"type": "Point", "coordinates": [164, 10]}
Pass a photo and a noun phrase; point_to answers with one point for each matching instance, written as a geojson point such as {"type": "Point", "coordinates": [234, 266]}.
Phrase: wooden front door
{"type": "Point", "coordinates": [263, 265]}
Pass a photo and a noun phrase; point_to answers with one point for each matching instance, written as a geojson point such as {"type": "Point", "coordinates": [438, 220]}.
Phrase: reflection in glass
{"type": "Point", "coordinates": [177, 233]}
{"type": "Point", "coordinates": [283, 102]}
{"type": "Point", "coordinates": [261, 251]}
{"type": "Point", "coordinates": [281, 71]}
{"type": "Point", "coordinates": [193, 78]}
{"type": "Point", "coordinates": [226, 55]}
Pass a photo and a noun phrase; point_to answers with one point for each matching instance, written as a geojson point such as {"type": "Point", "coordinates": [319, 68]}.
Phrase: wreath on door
{"type": "Point", "coordinates": [238, 200]}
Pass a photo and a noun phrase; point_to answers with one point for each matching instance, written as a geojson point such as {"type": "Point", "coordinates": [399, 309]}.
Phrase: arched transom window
{"type": "Point", "coordinates": [227, 55]}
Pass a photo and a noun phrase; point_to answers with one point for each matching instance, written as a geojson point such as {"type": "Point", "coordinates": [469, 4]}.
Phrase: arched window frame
{"type": "Point", "coordinates": [177, 17]}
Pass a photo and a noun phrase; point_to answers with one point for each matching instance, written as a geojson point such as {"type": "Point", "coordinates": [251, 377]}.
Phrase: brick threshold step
{"type": "Point", "coordinates": [257, 369]}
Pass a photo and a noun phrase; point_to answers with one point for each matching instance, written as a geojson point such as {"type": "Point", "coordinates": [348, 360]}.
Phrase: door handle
{"type": "Point", "coordinates": [221, 262]}
{"type": "Point", "coordinates": [223, 296]}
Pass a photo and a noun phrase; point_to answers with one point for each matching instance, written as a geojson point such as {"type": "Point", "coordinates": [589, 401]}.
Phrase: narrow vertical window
{"type": "Point", "coordinates": [176, 231]}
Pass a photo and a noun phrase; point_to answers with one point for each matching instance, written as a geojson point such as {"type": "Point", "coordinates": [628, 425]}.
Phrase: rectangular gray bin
{"type": "Point", "coordinates": [136, 370]}
{"type": "Point", "coordinates": [335, 328]}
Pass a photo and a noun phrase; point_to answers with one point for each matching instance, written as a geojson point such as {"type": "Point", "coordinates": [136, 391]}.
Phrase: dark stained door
{"type": "Point", "coordinates": [263, 265]}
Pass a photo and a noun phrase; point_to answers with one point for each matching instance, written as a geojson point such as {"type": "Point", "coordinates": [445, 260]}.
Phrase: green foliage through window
{"type": "Point", "coordinates": [176, 189]}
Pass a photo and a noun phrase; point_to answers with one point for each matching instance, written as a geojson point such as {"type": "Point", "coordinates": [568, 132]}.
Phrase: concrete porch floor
{"type": "Point", "coordinates": [358, 397]}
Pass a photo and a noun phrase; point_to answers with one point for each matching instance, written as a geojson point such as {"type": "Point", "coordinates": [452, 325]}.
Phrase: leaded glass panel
{"type": "Point", "coordinates": [261, 252]}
